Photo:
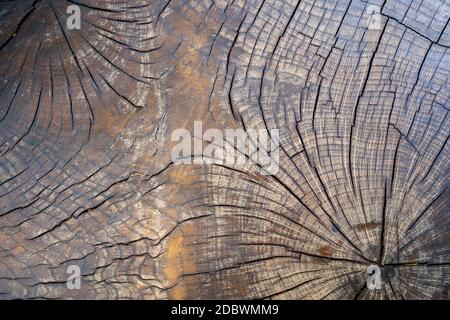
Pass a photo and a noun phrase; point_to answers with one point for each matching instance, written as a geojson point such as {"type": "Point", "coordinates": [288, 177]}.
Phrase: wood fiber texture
{"type": "Point", "coordinates": [87, 178]}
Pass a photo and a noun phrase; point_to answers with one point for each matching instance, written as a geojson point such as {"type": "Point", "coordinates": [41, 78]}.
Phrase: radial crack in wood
{"type": "Point", "coordinates": [87, 178]}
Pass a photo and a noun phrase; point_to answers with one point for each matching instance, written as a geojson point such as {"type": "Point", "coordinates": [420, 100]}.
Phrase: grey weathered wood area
{"type": "Point", "coordinates": [86, 176]}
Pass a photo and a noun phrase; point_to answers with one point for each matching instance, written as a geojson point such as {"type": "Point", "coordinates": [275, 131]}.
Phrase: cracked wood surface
{"type": "Point", "coordinates": [86, 176]}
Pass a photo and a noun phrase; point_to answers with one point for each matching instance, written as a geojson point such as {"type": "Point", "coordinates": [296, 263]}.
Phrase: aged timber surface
{"type": "Point", "coordinates": [86, 176]}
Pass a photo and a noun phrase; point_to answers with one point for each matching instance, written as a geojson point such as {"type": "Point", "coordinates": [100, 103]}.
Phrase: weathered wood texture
{"type": "Point", "coordinates": [86, 176]}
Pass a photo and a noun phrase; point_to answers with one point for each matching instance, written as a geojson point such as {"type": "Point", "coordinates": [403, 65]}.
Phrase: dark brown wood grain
{"type": "Point", "coordinates": [87, 178]}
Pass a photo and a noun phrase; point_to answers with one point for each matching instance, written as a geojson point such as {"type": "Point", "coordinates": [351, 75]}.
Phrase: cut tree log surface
{"type": "Point", "coordinates": [87, 178]}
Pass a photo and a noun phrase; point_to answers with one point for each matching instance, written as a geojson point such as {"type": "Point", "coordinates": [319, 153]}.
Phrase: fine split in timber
{"type": "Point", "coordinates": [94, 206]}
